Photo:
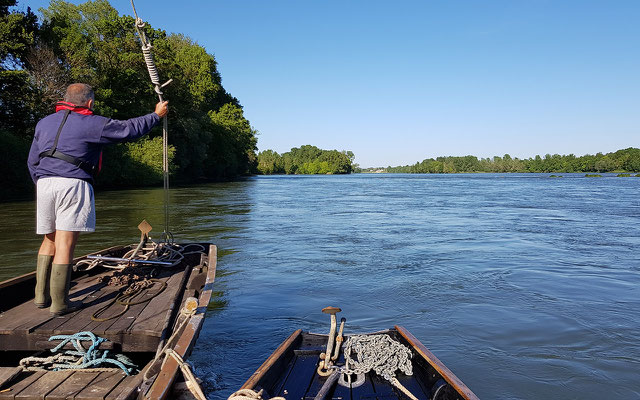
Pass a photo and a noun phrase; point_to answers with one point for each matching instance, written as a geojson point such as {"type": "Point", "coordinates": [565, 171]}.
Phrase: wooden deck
{"type": "Point", "coordinates": [25, 330]}
{"type": "Point", "coordinates": [63, 385]}
{"type": "Point", "coordinates": [27, 327]}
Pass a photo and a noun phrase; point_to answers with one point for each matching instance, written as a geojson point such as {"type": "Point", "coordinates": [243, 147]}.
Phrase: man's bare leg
{"type": "Point", "coordinates": [65, 244]}
{"type": "Point", "coordinates": [48, 246]}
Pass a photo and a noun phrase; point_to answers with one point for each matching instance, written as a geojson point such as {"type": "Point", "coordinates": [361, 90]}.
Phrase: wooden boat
{"type": "Point", "coordinates": [163, 324]}
{"type": "Point", "coordinates": [292, 372]}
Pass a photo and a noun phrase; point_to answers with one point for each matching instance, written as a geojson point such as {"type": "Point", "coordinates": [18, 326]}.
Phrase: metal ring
{"type": "Point", "coordinates": [359, 381]}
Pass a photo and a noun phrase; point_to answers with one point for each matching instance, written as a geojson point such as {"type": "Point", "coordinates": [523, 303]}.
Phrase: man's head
{"type": "Point", "coordinates": [80, 94]}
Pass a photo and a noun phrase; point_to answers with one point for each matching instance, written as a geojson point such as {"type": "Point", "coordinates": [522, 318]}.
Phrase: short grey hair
{"type": "Point", "coordinates": [79, 94]}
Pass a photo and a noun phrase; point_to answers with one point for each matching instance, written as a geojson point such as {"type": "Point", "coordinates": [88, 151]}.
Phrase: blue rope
{"type": "Point", "coordinates": [92, 357]}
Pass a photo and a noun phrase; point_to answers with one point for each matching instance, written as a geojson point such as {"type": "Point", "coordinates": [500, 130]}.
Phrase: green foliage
{"type": "Point", "coordinates": [306, 160]}
{"type": "Point", "coordinates": [621, 160]}
{"type": "Point", "coordinates": [134, 164]}
{"type": "Point", "coordinates": [18, 31]}
{"type": "Point", "coordinates": [92, 43]}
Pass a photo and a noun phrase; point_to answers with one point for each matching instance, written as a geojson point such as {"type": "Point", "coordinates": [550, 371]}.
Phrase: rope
{"type": "Point", "coordinates": [190, 379]}
{"type": "Point", "coordinates": [78, 359]}
{"type": "Point", "coordinates": [138, 279]}
{"type": "Point", "coordinates": [126, 298]}
{"type": "Point", "coordinates": [155, 79]}
{"type": "Point", "coordinates": [173, 253]}
{"type": "Point", "coordinates": [184, 313]}
{"type": "Point", "coordinates": [248, 394]}
{"type": "Point", "coordinates": [381, 354]}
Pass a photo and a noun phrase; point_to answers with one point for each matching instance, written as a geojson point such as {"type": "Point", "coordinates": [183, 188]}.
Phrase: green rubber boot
{"type": "Point", "coordinates": [60, 284]}
{"type": "Point", "coordinates": [42, 298]}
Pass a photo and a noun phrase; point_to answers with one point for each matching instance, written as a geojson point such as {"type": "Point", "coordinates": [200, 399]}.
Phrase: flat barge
{"type": "Point", "coordinates": [156, 330]}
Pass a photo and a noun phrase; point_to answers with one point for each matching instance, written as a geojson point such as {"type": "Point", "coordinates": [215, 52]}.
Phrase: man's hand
{"type": "Point", "coordinates": [162, 108]}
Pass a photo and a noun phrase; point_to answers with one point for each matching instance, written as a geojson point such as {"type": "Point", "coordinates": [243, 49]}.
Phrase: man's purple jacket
{"type": "Point", "coordinates": [83, 137]}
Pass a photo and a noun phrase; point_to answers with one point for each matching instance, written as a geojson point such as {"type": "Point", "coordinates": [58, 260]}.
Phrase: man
{"type": "Point", "coordinates": [64, 155]}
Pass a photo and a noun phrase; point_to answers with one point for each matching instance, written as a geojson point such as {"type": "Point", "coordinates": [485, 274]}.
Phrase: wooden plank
{"type": "Point", "coordinates": [157, 308]}
{"type": "Point", "coordinates": [122, 322]}
{"type": "Point", "coordinates": [86, 287]}
{"type": "Point", "coordinates": [23, 382]}
{"type": "Point", "coordinates": [299, 379]}
{"type": "Point", "coordinates": [127, 388]}
{"type": "Point", "coordinates": [101, 386]}
{"type": "Point", "coordinates": [278, 354]}
{"type": "Point", "coordinates": [72, 385]}
{"type": "Point", "coordinates": [75, 322]}
{"type": "Point", "coordinates": [7, 374]}
{"type": "Point", "coordinates": [45, 384]}
{"type": "Point", "coordinates": [163, 324]}
{"type": "Point", "coordinates": [162, 385]}
{"type": "Point", "coordinates": [25, 313]}
{"type": "Point", "coordinates": [438, 365]}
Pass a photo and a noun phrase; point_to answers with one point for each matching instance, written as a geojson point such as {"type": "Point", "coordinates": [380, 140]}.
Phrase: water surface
{"type": "Point", "coordinates": [526, 287]}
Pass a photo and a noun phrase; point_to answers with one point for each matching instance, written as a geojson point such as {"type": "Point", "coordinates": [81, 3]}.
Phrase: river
{"type": "Point", "coordinates": [525, 286]}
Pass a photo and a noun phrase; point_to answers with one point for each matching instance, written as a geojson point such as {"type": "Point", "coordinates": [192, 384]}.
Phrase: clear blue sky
{"type": "Point", "coordinates": [400, 81]}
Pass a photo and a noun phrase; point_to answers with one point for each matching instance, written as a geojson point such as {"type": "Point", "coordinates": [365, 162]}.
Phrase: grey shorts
{"type": "Point", "coordinates": [64, 204]}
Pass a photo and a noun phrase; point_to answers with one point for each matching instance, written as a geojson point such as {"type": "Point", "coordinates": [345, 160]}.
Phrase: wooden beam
{"type": "Point", "coordinates": [273, 358]}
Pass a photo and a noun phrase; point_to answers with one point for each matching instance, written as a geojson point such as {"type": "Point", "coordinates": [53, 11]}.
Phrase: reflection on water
{"type": "Point", "coordinates": [526, 287]}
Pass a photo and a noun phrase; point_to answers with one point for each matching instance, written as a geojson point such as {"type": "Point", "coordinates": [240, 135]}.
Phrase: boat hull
{"type": "Point", "coordinates": [291, 372]}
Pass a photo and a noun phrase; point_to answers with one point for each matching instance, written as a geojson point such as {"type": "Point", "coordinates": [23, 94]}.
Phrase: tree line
{"type": "Point", "coordinates": [625, 160]}
{"type": "Point", "coordinates": [305, 160]}
{"type": "Point", "coordinates": [92, 43]}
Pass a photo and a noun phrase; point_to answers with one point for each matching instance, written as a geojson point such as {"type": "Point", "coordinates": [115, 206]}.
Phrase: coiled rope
{"type": "Point", "coordinates": [92, 358]}
{"type": "Point", "coordinates": [248, 394]}
{"type": "Point", "coordinates": [129, 297]}
{"type": "Point", "coordinates": [155, 79]}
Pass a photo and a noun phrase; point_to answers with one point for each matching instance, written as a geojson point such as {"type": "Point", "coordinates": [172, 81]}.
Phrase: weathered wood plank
{"type": "Point", "coordinates": [157, 308]}
{"type": "Point", "coordinates": [72, 385]}
{"type": "Point", "coordinates": [127, 388]}
{"type": "Point", "coordinates": [49, 323]}
{"type": "Point", "coordinates": [122, 322]}
{"type": "Point", "coordinates": [75, 322]}
{"type": "Point", "coordinates": [25, 313]}
{"type": "Point", "coordinates": [23, 381]}
{"type": "Point", "coordinates": [45, 384]}
{"type": "Point", "coordinates": [101, 386]}
{"type": "Point", "coordinates": [7, 374]}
